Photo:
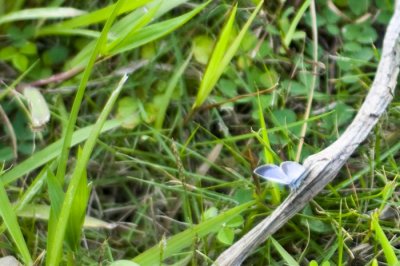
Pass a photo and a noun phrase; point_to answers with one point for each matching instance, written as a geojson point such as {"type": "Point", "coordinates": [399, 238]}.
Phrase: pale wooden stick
{"type": "Point", "coordinates": [326, 164]}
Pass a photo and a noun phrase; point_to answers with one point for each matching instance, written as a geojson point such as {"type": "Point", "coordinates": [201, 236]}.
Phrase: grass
{"type": "Point", "coordinates": [157, 169]}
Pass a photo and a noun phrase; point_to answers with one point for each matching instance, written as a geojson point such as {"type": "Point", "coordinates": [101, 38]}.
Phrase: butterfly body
{"type": "Point", "coordinates": [288, 173]}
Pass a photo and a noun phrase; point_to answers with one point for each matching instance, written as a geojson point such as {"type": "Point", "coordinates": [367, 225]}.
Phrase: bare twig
{"type": "Point", "coordinates": [326, 164]}
{"type": "Point", "coordinates": [56, 78]}
{"type": "Point", "coordinates": [236, 98]}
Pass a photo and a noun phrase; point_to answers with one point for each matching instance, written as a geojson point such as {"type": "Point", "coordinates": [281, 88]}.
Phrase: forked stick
{"type": "Point", "coordinates": [326, 164]}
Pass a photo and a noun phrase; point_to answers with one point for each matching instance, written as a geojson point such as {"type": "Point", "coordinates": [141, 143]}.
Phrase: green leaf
{"type": "Point", "coordinates": [209, 213]}
{"type": "Point", "coordinates": [284, 117]}
{"type": "Point", "coordinates": [228, 87]}
{"type": "Point", "coordinates": [202, 48]}
{"type": "Point", "coordinates": [367, 35]}
{"type": "Point", "coordinates": [20, 62]}
{"type": "Point", "coordinates": [235, 221]}
{"type": "Point", "coordinates": [7, 53]}
{"type": "Point", "coordinates": [243, 195]}
{"type": "Point", "coordinates": [358, 7]}
{"type": "Point", "coordinates": [28, 48]}
{"type": "Point", "coordinates": [127, 112]}
{"type": "Point", "coordinates": [226, 235]}
{"type": "Point", "coordinates": [55, 55]}
{"type": "Point", "coordinates": [315, 224]}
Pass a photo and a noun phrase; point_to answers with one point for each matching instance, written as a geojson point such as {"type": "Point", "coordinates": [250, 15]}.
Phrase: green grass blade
{"type": "Point", "coordinates": [81, 91]}
{"type": "Point", "coordinates": [78, 32]}
{"type": "Point", "coordinates": [221, 57]}
{"type": "Point", "coordinates": [92, 17]}
{"type": "Point", "coordinates": [55, 244]}
{"type": "Point", "coordinates": [168, 93]}
{"type": "Point", "coordinates": [33, 189]}
{"type": "Point", "coordinates": [269, 158]}
{"type": "Point", "coordinates": [340, 238]}
{"type": "Point", "coordinates": [56, 193]}
{"type": "Point", "coordinates": [210, 76]}
{"type": "Point", "coordinates": [10, 220]}
{"type": "Point", "coordinates": [144, 19]}
{"type": "Point", "coordinates": [268, 153]}
{"type": "Point", "coordinates": [184, 239]}
{"type": "Point", "coordinates": [387, 248]}
{"type": "Point", "coordinates": [295, 22]}
{"type": "Point", "coordinates": [234, 46]}
{"type": "Point", "coordinates": [51, 152]}
{"type": "Point", "coordinates": [41, 13]}
{"type": "Point", "coordinates": [78, 211]}
{"type": "Point", "coordinates": [387, 192]}
{"type": "Point", "coordinates": [155, 31]}
{"type": "Point", "coordinates": [17, 81]}
{"type": "Point", "coordinates": [142, 36]}
{"type": "Point", "coordinates": [284, 254]}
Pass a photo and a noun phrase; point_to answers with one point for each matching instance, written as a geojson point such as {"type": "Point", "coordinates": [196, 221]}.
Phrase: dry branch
{"type": "Point", "coordinates": [326, 164]}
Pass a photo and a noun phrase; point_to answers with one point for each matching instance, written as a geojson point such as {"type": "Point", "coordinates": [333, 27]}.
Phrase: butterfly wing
{"type": "Point", "coordinates": [273, 173]}
{"type": "Point", "coordinates": [292, 170]}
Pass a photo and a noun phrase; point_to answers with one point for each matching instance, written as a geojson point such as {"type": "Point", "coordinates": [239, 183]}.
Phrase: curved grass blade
{"type": "Point", "coordinates": [284, 254]}
{"type": "Point", "coordinates": [62, 165]}
{"type": "Point", "coordinates": [295, 22]}
{"type": "Point", "coordinates": [92, 17]}
{"type": "Point", "coordinates": [388, 249]}
{"type": "Point", "coordinates": [222, 56]}
{"type": "Point", "coordinates": [155, 31]}
{"type": "Point", "coordinates": [51, 152]}
{"type": "Point", "coordinates": [140, 37]}
{"type": "Point", "coordinates": [54, 244]}
{"type": "Point", "coordinates": [173, 82]}
{"type": "Point", "coordinates": [41, 13]}
{"type": "Point", "coordinates": [9, 217]}
{"type": "Point", "coordinates": [183, 240]}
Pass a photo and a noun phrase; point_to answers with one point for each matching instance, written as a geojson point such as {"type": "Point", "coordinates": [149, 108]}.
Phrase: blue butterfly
{"type": "Point", "coordinates": [288, 173]}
